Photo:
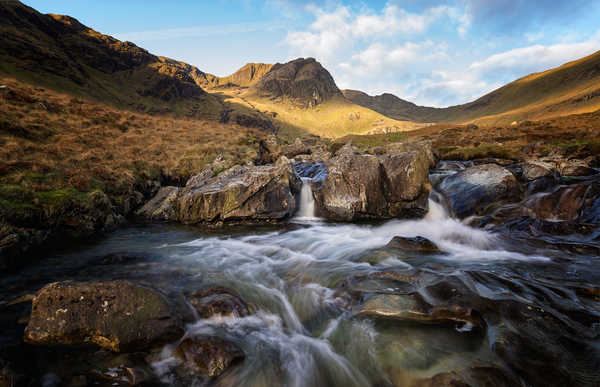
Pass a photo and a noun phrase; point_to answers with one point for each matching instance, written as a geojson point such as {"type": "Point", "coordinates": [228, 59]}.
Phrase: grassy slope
{"type": "Point", "coordinates": [334, 118]}
{"type": "Point", "coordinates": [569, 89]}
{"type": "Point", "coordinates": [56, 148]}
{"type": "Point", "coordinates": [58, 52]}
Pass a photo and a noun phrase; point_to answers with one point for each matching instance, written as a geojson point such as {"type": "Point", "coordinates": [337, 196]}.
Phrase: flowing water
{"type": "Point", "coordinates": [304, 331]}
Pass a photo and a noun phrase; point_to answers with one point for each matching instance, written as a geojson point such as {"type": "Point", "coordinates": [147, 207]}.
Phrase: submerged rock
{"type": "Point", "coordinates": [471, 191]}
{"type": "Point", "coordinates": [117, 315]}
{"type": "Point", "coordinates": [374, 187]}
{"type": "Point", "coordinates": [417, 244]}
{"type": "Point", "coordinates": [564, 203]}
{"type": "Point", "coordinates": [207, 356]}
{"type": "Point", "coordinates": [217, 301]}
{"type": "Point", "coordinates": [413, 308]}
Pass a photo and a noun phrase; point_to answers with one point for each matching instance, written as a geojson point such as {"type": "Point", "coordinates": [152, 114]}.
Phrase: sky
{"type": "Point", "coordinates": [434, 53]}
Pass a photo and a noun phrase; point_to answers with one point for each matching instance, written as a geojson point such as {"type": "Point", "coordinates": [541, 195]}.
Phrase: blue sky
{"type": "Point", "coordinates": [435, 53]}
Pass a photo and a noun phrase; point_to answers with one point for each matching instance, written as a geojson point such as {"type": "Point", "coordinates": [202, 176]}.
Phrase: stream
{"type": "Point", "coordinates": [305, 330]}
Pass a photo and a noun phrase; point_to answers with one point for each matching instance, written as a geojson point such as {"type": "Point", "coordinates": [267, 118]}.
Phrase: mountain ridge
{"type": "Point", "coordinates": [566, 89]}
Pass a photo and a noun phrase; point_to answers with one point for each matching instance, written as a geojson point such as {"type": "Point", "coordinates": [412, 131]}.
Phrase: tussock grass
{"type": "Point", "coordinates": [57, 148]}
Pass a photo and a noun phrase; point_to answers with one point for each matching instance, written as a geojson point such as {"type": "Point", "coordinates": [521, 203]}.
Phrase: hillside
{"type": "Point", "coordinates": [58, 52]}
{"type": "Point", "coordinates": [569, 89]}
{"type": "Point", "coordinates": [246, 76]}
{"type": "Point", "coordinates": [300, 97]}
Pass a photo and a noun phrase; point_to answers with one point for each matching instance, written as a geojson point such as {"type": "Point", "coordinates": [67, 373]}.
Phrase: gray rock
{"type": "Point", "coordinates": [241, 194]}
{"type": "Point", "coordinates": [163, 206]}
{"type": "Point", "coordinates": [374, 187]}
{"type": "Point", "coordinates": [470, 191]}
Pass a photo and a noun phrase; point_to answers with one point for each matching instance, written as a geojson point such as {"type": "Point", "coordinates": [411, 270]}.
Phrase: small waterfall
{"type": "Point", "coordinates": [307, 201]}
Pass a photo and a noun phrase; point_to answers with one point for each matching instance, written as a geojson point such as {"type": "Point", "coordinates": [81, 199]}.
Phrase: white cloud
{"type": "Point", "coordinates": [196, 32]}
{"type": "Point", "coordinates": [535, 58]}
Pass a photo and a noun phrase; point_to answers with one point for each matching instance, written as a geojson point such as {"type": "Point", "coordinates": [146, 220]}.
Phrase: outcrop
{"type": "Point", "coordinates": [303, 81]}
{"type": "Point", "coordinates": [363, 186]}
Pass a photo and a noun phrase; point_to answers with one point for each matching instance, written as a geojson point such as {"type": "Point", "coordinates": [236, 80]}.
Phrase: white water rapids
{"type": "Point", "coordinates": [301, 334]}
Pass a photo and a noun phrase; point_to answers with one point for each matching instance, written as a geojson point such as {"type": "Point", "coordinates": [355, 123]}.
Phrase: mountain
{"type": "Point", "coordinates": [300, 97]}
{"type": "Point", "coordinates": [303, 81]}
{"type": "Point", "coordinates": [58, 52]}
{"type": "Point", "coordinates": [389, 105]}
{"type": "Point", "coordinates": [246, 76]}
{"type": "Point", "coordinates": [295, 98]}
{"type": "Point", "coordinates": [571, 88]}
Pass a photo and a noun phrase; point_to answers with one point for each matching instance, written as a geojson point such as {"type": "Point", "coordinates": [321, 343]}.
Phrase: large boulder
{"type": "Point", "coordinates": [471, 191]}
{"type": "Point", "coordinates": [363, 186]}
{"type": "Point", "coordinates": [117, 315]}
{"type": "Point", "coordinates": [241, 194]}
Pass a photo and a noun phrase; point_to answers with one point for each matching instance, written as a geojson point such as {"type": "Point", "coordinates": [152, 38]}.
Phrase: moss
{"type": "Point", "coordinates": [61, 197]}
{"type": "Point", "coordinates": [479, 152]}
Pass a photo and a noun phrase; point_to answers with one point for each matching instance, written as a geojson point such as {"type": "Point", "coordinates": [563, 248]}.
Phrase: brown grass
{"type": "Point", "coordinates": [51, 141]}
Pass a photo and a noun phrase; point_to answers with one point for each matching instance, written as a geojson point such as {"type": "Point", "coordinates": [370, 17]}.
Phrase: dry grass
{"type": "Point", "coordinates": [54, 142]}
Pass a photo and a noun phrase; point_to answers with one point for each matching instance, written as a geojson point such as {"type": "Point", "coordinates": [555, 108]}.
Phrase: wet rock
{"type": "Point", "coordinates": [575, 168]}
{"type": "Point", "coordinates": [417, 244]}
{"type": "Point", "coordinates": [207, 356]}
{"type": "Point", "coordinates": [413, 308]}
{"type": "Point", "coordinates": [315, 171]}
{"type": "Point", "coordinates": [117, 315]}
{"type": "Point", "coordinates": [242, 194]}
{"type": "Point", "coordinates": [128, 369]}
{"type": "Point", "coordinates": [217, 301]}
{"type": "Point", "coordinates": [488, 376]}
{"type": "Point", "coordinates": [471, 191]}
{"type": "Point", "coordinates": [374, 187]}
{"type": "Point", "coordinates": [163, 206]}
{"type": "Point", "coordinates": [533, 170]}
{"type": "Point", "coordinates": [564, 203]}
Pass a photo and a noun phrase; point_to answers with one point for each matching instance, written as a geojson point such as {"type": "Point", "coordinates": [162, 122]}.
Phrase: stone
{"type": "Point", "coordinates": [218, 301]}
{"type": "Point", "coordinates": [416, 244]}
{"type": "Point", "coordinates": [262, 193]}
{"type": "Point", "coordinates": [472, 190]}
{"type": "Point", "coordinates": [207, 356]}
{"type": "Point", "coordinates": [575, 168]}
{"type": "Point", "coordinates": [564, 203]}
{"type": "Point", "coordinates": [117, 315]}
{"type": "Point", "coordinates": [163, 206]}
{"type": "Point", "coordinates": [365, 186]}
{"type": "Point", "coordinates": [533, 170]}
{"type": "Point", "coordinates": [413, 308]}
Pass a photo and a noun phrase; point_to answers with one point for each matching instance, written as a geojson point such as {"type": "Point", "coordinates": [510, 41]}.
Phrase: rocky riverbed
{"type": "Point", "coordinates": [459, 273]}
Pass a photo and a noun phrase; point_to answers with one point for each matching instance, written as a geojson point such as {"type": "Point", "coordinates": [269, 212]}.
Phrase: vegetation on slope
{"type": "Point", "coordinates": [569, 89]}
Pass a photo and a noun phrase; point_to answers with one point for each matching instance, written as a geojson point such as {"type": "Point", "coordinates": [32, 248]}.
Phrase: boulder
{"type": "Point", "coordinates": [417, 244]}
{"type": "Point", "coordinates": [564, 203]}
{"type": "Point", "coordinates": [575, 168]}
{"type": "Point", "coordinates": [163, 206]}
{"type": "Point", "coordinates": [241, 194]}
{"type": "Point", "coordinates": [374, 187]}
{"type": "Point", "coordinates": [472, 190]}
{"type": "Point", "coordinates": [117, 315]}
{"type": "Point", "coordinates": [413, 308]}
{"type": "Point", "coordinates": [533, 170]}
{"type": "Point", "coordinates": [295, 149]}
{"type": "Point", "coordinates": [207, 356]}
{"type": "Point", "coordinates": [218, 301]}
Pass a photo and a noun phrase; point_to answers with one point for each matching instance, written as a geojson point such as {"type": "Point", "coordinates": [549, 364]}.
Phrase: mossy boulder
{"type": "Point", "coordinates": [118, 315]}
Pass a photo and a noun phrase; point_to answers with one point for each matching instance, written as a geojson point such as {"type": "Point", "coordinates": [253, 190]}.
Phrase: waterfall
{"type": "Point", "coordinates": [307, 202]}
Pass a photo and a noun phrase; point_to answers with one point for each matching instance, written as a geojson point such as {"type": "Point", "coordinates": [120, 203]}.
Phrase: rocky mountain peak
{"type": "Point", "coordinates": [303, 81]}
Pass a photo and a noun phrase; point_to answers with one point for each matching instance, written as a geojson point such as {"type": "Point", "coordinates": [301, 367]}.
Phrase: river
{"type": "Point", "coordinates": [305, 330]}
